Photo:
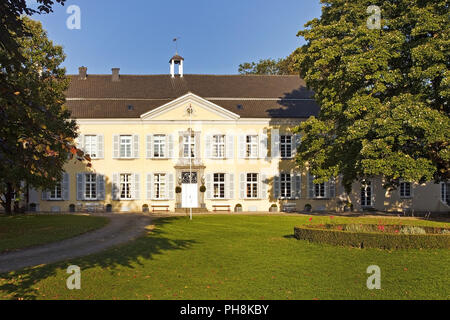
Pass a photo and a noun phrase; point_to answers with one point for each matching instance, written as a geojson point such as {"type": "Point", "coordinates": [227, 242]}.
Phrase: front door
{"type": "Point", "coordinates": [189, 190]}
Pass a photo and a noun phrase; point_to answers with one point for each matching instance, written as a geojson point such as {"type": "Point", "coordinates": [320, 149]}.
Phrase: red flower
{"type": "Point", "coordinates": [310, 219]}
{"type": "Point", "coordinates": [331, 217]}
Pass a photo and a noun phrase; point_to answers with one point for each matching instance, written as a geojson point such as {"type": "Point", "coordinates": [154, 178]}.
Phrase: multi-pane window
{"type": "Point", "coordinates": [90, 190]}
{"type": "Point", "coordinates": [218, 146]}
{"type": "Point", "coordinates": [319, 190]}
{"type": "Point", "coordinates": [251, 146]}
{"type": "Point", "coordinates": [405, 189]}
{"type": "Point", "coordinates": [366, 194]}
{"type": "Point", "coordinates": [159, 181]}
{"type": "Point", "coordinates": [125, 146]}
{"type": "Point", "coordinates": [189, 146]}
{"type": "Point", "coordinates": [252, 185]}
{"type": "Point", "coordinates": [285, 185]}
{"type": "Point", "coordinates": [159, 146]}
{"type": "Point", "coordinates": [56, 192]}
{"type": "Point", "coordinates": [125, 186]}
{"type": "Point", "coordinates": [219, 185]}
{"type": "Point", "coordinates": [90, 145]}
{"type": "Point", "coordinates": [445, 192]}
{"type": "Point", "coordinates": [286, 146]}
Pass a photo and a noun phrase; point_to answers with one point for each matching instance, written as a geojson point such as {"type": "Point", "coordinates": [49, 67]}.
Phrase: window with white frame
{"type": "Point", "coordinates": [125, 146]}
{"type": "Point", "coordinates": [445, 192]}
{"type": "Point", "coordinates": [159, 146]}
{"type": "Point", "coordinates": [218, 146]}
{"type": "Point", "coordinates": [286, 146]}
{"type": "Point", "coordinates": [219, 185]}
{"type": "Point", "coordinates": [56, 192]}
{"type": "Point", "coordinates": [159, 182]}
{"type": "Point", "coordinates": [319, 190]}
{"type": "Point", "coordinates": [366, 194]}
{"type": "Point", "coordinates": [125, 186]}
{"type": "Point", "coordinates": [251, 146]}
{"type": "Point", "coordinates": [405, 190]}
{"type": "Point", "coordinates": [189, 146]}
{"type": "Point", "coordinates": [90, 188]}
{"type": "Point", "coordinates": [252, 185]}
{"type": "Point", "coordinates": [285, 185]}
{"type": "Point", "coordinates": [90, 145]}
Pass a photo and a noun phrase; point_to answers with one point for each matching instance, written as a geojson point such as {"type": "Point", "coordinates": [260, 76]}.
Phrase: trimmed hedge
{"type": "Point", "coordinates": [383, 240]}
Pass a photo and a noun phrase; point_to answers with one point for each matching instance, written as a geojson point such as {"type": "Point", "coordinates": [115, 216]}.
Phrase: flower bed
{"type": "Point", "coordinates": [376, 236]}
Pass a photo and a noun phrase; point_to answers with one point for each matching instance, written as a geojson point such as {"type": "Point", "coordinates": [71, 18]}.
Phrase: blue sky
{"type": "Point", "coordinates": [216, 36]}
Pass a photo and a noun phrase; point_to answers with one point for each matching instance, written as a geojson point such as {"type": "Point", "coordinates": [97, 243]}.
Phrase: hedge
{"type": "Point", "coordinates": [381, 240]}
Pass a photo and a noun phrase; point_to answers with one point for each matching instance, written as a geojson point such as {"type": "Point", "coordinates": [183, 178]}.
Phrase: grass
{"type": "Point", "coordinates": [21, 231]}
{"type": "Point", "coordinates": [239, 257]}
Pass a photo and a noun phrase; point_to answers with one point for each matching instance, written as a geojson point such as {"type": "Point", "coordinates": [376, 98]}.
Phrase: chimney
{"type": "Point", "coordinates": [82, 71]}
{"type": "Point", "coordinates": [115, 74]}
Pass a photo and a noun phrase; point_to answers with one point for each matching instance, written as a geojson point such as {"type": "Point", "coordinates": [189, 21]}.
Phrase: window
{"type": "Point", "coordinates": [125, 146]}
{"type": "Point", "coordinates": [251, 144]}
{"type": "Point", "coordinates": [286, 146]}
{"type": "Point", "coordinates": [445, 192]}
{"type": "Point", "coordinates": [319, 190]}
{"type": "Point", "coordinates": [125, 186]}
{"type": "Point", "coordinates": [366, 194]}
{"type": "Point", "coordinates": [90, 145]}
{"type": "Point", "coordinates": [159, 146]}
{"type": "Point", "coordinates": [252, 185]}
{"type": "Point", "coordinates": [219, 146]}
{"type": "Point", "coordinates": [219, 186]}
{"type": "Point", "coordinates": [56, 192]}
{"type": "Point", "coordinates": [160, 185]}
{"type": "Point", "coordinates": [189, 146]}
{"type": "Point", "coordinates": [405, 189]}
{"type": "Point", "coordinates": [285, 184]}
{"type": "Point", "coordinates": [90, 190]}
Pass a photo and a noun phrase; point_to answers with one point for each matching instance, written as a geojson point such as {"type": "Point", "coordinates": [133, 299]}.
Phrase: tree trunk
{"type": "Point", "coordinates": [8, 198]}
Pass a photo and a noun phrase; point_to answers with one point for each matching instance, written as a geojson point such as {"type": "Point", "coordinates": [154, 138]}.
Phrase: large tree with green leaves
{"type": "Point", "coordinates": [383, 93]}
{"type": "Point", "coordinates": [38, 137]}
{"type": "Point", "coordinates": [282, 66]}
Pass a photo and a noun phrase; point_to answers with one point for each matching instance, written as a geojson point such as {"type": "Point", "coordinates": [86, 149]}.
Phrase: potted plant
{"type": "Point", "coordinates": [273, 208]}
{"type": "Point", "coordinates": [177, 189]}
{"type": "Point", "coordinates": [71, 207]}
{"type": "Point", "coordinates": [202, 188]}
{"type": "Point", "coordinates": [145, 207]}
{"type": "Point", "coordinates": [308, 207]}
{"type": "Point", "coordinates": [238, 208]}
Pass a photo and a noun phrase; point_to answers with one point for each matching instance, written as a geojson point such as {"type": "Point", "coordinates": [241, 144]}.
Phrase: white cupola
{"type": "Point", "coordinates": [176, 59]}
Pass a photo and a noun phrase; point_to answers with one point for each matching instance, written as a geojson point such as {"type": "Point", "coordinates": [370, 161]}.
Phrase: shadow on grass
{"type": "Point", "coordinates": [19, 284]}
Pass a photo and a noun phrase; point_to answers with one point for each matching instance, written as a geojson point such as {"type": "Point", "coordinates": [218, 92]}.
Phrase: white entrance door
{"type": "Point", "coordinates": [189, 195]}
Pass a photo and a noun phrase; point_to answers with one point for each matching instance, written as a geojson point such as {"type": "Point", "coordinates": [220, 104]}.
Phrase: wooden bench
{"type": "Point", "coordinates": [289, 207]}
{"type": "Point", "coordinates": [160, 207]}
{"type": "Point", "coordinates": [226, 207]}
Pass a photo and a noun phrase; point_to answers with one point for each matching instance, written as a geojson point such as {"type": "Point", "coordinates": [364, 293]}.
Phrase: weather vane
{"type": "Point", "coordinates": [176, 43]}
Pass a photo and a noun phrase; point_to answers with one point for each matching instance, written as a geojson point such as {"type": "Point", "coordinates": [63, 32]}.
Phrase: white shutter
{"type": "Point", "coordinates": [310, 186]}
{"type": "Point", "coordinates": [263, 145]}
{"type": "Point", "coordinates": [116, 146]}
{"type": "Point", "coordinates": [209, 186]}
{"type": "Point", "coordinates": [116, 187]}
{"type": "Point", "coordinates": [208, 146]}
{"type": "Point", "coordinates": [230, 185]}
{"type": "Point", "coordinates": [197, 145]}
{"type": "Point", "coordinates": [100, 187]}
{"type": "Point", "coordinates": [298, 186]}
{"type": "Point", "coordinates": [275, 144]}
{"type": "Point", "coordinates": [293, 186]}
{"type": "Point", "coordinates": [242, 146]}
{"type": "Point", "coordinates": [65, 186]}
{"type": "Point", "coordinates": [229, 146]}
{"type": "Point", "coordinates": [80, 186]}
{"type": "Point", "coordinates": [276, 186]}
{"type": "Point", "coordinates": [149, 144]}
{"type": "Point", "coordinates": [171, 185]}
{"type": "Point", "coordinates": [100, 146]}
{"type": "Point", "coordinates": [170, 146]}
{"type": "Point", "coordinates": [136, 187]}
{"type": "Point", "coordinates": [332, 188]}
{"type": "Point", "coordinates": [45, 195]}
{"type": "Point", "coordinates": [295, 142]}
{"type": "Point", "coordinates": [263, 186]}
{"type": "Point", "coordinates": [136, 146]}
{"type": "Point", "coordinates": [80, 142]}
{"type": "Point", "coordinates": [242, 185]}
{"type": "Point", "coordinates": [149, 186]}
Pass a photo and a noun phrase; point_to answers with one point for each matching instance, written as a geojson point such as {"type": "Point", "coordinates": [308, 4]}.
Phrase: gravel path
{"type": "Point", "coordinates": [121, 228]}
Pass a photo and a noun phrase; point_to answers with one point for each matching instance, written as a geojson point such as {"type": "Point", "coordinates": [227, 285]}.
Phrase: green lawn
{"type": "Point", "coordinates": [21, 231]}
{"type": "Point", "coordinates": [239, 257]}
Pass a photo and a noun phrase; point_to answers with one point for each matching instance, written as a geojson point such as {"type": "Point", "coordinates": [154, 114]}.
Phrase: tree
{"type": "Point", "coordinates": [383, 93]}
{"type": "Point", "coordinates": [38, 137]}
{"type": "Point", "coordinates": [270, 66]}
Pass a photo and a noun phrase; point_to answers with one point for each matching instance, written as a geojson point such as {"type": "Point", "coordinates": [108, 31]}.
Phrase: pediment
{"type": "Point", "coordinates": [178, 109]}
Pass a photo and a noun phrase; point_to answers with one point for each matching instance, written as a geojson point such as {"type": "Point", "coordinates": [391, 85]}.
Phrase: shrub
{"type": "Point", "coordinates": [202, 188]}
{"type": "Point", "coordinates": [412, 230]}
{"type": "Point", "coordinates": [177, 189]}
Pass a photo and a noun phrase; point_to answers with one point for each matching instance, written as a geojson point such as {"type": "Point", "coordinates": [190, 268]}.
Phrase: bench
{"type": "Point", "coordinates": [225, 207]}
{"type": "Point", "coordinates": [160, 207]}
{"type": "Point", "coordinates": [289, 207]}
